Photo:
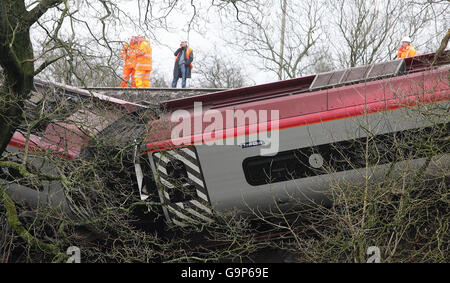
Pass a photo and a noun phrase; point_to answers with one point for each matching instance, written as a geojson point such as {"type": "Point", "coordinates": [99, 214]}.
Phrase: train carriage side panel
{"type": "Point", "coordinates": [313, 125]}
{"type": "Point", "coordinates": [225, 165]}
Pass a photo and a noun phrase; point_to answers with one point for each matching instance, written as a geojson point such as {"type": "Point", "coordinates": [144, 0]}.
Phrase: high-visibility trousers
{"type": "Point", "coordinates": [129, 71]}
{"type": "Point", "coordinates": [142, 78]}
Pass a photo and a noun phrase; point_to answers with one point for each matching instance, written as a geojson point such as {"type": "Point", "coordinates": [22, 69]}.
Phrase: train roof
{"type": "Point", "coordinates": [67, 89]}
{"type": "Point", "coordinates": [310, 83]}
{"type": "Point", "coordinates": [303, 101]}
{"type": "Point", "coordinates": [78, 115]}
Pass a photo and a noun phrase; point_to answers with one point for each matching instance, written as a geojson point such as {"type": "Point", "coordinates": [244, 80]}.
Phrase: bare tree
{"type": "Point", "coordinates": [282, 38]}
{"type": "Point", "coordinates": [60, 26]}
{"type": "Point", "coordinates": [81, 67]}
{"type": "Point", "coordinates": [158, 79]}
{"type": "Point", "coordinates": [216, 71]}
{"type": "Point", "coordinates": [363, 32]}
{"type": "Point", "coordinates": [442, 47]}
{"type": "Point", "coordinates": [99, 187]}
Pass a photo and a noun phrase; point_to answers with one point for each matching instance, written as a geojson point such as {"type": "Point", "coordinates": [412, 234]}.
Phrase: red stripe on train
{"type": "Point", "coordinates": [309, 119]}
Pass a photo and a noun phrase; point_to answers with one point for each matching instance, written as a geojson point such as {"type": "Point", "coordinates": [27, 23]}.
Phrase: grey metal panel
{"type": "Point", "coordinates": [321, 80]}
{"type": "Point", "coordinates": [327, 79]}
{"type": "Point", "coordinates": [386, 69]}
{"type": "Point", "coordinates": [337, 77]}
{"type": "Point", "coordinates": [356, 74]}
{"type": "Point", "coordinates": [225, 179]}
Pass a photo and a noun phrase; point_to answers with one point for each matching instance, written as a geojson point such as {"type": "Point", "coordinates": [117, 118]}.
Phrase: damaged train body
{"type": "Point", "coordinates": [269, 147]}
{"type": "Point", "coordinates": [62, 122]}
{"type": "Point", "coordinates": [249, 150]}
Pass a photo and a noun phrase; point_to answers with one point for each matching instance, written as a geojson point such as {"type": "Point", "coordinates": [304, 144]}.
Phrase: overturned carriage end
{"type": "Point", "coordinates": [316, 123]}
{"type": "Point", "coordinates": [61, 123]}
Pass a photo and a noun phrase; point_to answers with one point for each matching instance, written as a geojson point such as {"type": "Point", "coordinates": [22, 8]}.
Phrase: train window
{"type": "Point", "coordinates": [304, 162]}
{"type": "Point", "coordinates": [284, 166]}
{"type": "Point", "coordinates": [339, 156]}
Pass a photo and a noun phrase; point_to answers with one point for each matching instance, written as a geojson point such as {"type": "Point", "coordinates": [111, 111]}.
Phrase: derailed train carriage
{"type": "Point", "coordinates": [215, 153]}
{"type": "Point", "coordinates": [249, 150]}
{"type": "Point", "coordinates": [64, 123]}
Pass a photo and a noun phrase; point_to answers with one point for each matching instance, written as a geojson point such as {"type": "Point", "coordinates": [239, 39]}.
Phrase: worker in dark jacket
{"type": "Point", "coordinates": [183, 64]}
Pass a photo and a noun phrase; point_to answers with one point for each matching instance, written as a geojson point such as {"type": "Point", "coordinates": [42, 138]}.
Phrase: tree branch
{"type": "Point", "coordinates": [441, 48]}
{"type": "Point", "coordinates": [17, 226]}
{"type": "Point", "coordinates": [47, 63]}
{"type": "Point", "coordinates": [26, 174]}
{"type": "Point", "coordinates": [41, 9]}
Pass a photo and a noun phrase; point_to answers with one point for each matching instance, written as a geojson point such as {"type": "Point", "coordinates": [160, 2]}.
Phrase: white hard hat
{"type": "Point", "coordinates": [406, 39]}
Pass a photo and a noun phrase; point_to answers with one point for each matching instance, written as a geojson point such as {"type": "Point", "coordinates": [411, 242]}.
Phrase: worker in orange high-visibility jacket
{"type": "Point", "coordinates": [129, 56]}
{"type": "Point", "coordinates": [406, 50]}
{"type": "Point", "coordinates": [143, 63]}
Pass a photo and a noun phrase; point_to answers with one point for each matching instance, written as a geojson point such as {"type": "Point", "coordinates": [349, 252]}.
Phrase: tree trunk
{"type": "Point", "coordinates": [16, 59]}
{"type": "Point", "coordinates": [283, 32]}
{"type": "Point", "coordinates": [442, 47]}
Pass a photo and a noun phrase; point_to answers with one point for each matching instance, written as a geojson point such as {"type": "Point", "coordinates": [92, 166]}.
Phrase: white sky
{"type": "Point", "coordinates": [165, 42]}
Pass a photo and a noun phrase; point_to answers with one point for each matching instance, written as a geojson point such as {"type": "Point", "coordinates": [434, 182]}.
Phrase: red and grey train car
{"type": "Point", "coordinates": [248, 149]}
{"type": "Point", "coordinates": [74, 118]}
{"type": "Point", "coordinates": [206, 153]}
